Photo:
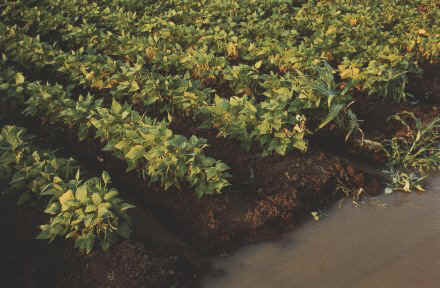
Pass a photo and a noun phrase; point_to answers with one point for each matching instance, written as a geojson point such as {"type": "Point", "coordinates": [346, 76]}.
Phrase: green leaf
{"type": "Point", "coordinates": [110, 195]}
{"type": "Point", "coordinates": [90, 208]}
{"type": "Point", "coordinates": [106, 177]}
{"type": "Point", "coordinates": [81, 193]}
{"type": "Point", "coordinates": [281, 149]}
{"type": "Point", "coordinates": [125, 114]}
{"type": "Point", "coordinates": [126, 206]}
{"type": "Point", "coordinates": [108, 147]}
{"type": "Point", "coordinates": [52, 208]}
{"type": "Point", "coordinates": [80, 212]}
{"type": "Point", "coordinates": [4, 86]}
{"type": "Point", "coordinates": [88, 220]}
{"type": "Point", "coordinates": [331, 95]}
{"type": "Point", "coordinates": [71, 234]}
{"type": "Point", "coordinates": [76, 222]}
{"type": "Point", "coordinates": [220, 166]}
{"type": "Point", "coordinates": [44, 227]}
{"type": "Point", "coordinates": [135, 152]}
{"type": "Point", "coordinates": [133, 86]}
{"type": "Point", "coordinates": [57, 187]}
{"type": "Point", "coordinates": [90, 241]}
{"type": "Point", "coordinates": [44, 235]}
{"type": "Point", "coordinates": [102, 210]}
{"type": "Point", "coordinates": [48, 191]}
{"type": "Point", "coordinates": [116, 107]}
{"type": "Point", "coordinates": [300, 144]}
{"type": "Point", "coordinates": [57, 179]}
{"type": "Point", "coordinates": [96, 198]}
{"type": "Point", "coordinates": [96, 123]}
{"type": "Point", "coordinates": [122, 145]}
{"type": "Point", "coordinates": [334, 112]}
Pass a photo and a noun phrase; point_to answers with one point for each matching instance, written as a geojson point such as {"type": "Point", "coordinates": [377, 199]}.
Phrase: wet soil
{"type": "Point", "coordinates": [387, 241]}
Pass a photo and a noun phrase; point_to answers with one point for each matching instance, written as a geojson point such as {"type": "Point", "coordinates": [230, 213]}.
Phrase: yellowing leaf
{"type": "Point", "coordinates": [68, 196]}
{"type": "Point", "coordinates": [19, 78]}
{"type": "Point", "coordinates": [135, 152]}
{"type": "Point", "coordinates": [102, 210]}
{"type": "Point", "coordinates": [81, 193]}
{"type": "Point", "coordinates": [90, 75]}
{"type": "Point", "coordinates": [134, 86]}
{"type": "Point", "coordinates": [95, 123]}
{"type": "Point", "coordinates": [420, 188]}
{"type": "Point", "coordinates": [96, 198]}
{"type": "Point", "coordinates": [58, 187]}
{"type": "Point", "coordinates": [111, 83]}
{"type": "Point", "coordinates": [422, 32]}
{"type": "Point", "coordinates": [331, 29]}
{"type": "Point", "coordinates": [258, 64]}
{"type": "Point", "coordinates": [99, 84]}
{"type": "Point", "coordinates": [190, 95]}
{"type": "Point", "coordinates": [406, 187]}
{"type": "Point", "coordinates": [348, 72]}
{"type": "Point", "coordinates": [151, 52]}
{"type": "Point", "coordinates": [90, 208]}
{"type": "Point", "coordinates": [315, 215]}
{"type": "Point", "coordinates": [231, 49]}
{"type": "Point", "coordinates": [122, 145]}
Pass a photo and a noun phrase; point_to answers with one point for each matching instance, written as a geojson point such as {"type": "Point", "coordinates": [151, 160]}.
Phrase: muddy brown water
{"type": "Point", "coordinates": [390, 241]}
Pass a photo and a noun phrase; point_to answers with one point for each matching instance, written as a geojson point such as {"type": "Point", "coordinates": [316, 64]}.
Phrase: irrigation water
{"type": "Point", "coordinates": [389, 241]}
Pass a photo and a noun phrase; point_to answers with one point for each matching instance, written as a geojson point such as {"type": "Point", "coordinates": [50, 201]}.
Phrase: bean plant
{"type": "Point", "coordinates": [88, 211]}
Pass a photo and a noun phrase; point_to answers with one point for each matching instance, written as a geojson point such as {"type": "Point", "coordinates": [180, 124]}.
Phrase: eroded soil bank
{"type": "Point", "coordinates": [389, 241]}
{"type": "Point", "coordinates": [173, 251]}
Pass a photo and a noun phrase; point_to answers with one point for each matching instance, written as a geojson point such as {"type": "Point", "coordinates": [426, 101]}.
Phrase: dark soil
{"type": "Point", "coordinates": [31, 263]}
{"type": "Point", "coordinates": [128, 264]}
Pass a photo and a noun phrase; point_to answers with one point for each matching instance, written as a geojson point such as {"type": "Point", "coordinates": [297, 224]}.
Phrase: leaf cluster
{"type": "Point", "coordinates": [187, 58]}
{"type": "Point", "coordinates": [88, 211]}
{"type": "Point", "coordinates": [146, 145]}
{"type": "Point", "coordinates": [412, 155]}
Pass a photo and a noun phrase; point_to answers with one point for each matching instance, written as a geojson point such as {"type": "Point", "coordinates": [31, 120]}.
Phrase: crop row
{"type": "Point", "coordinates": [269, 122]}
{"type": "Point", "coordinates": [146, 145]}
{"type": "Point", "coordinates": [262, 30]}
{"type": "Point", "coordinates": [375, 44]}
{"type": "Point", "coordinates": [88, 211]}
{"type": "Point", "coordinates": [241, 67]}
